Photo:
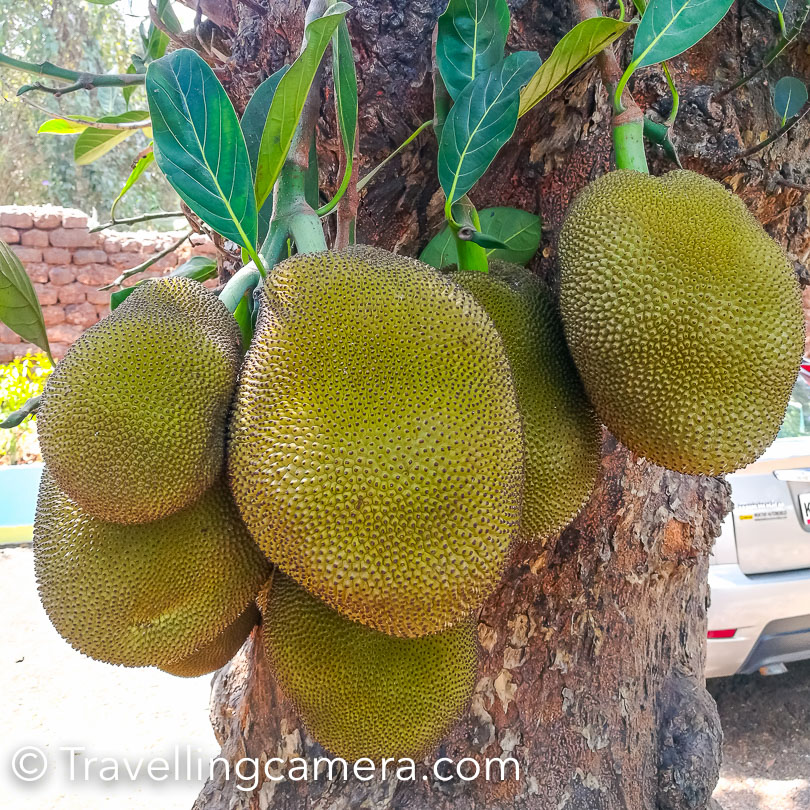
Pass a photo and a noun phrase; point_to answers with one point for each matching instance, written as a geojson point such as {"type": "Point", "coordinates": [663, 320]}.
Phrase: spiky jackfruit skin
{"type": "Point", "coordinates": [147, 594]}
{"type": "Point", "coordinates": [560, 428]}
{"type": "Point", "coordinates": [132, 423]}
{"type": "Point", "coordinates": [359, 692]}
{"type": "Point", "coordinates": [683, 316]}
{"type": "Point", "coordinates": [215, 654]}
{"type": "Point", "coordinates": [376, 452]}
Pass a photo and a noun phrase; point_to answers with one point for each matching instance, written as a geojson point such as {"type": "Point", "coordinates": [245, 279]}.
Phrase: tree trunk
{"type": "Point", "coordinates": [592, 650]}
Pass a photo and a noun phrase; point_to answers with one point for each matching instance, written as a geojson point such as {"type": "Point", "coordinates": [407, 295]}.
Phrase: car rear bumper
{"type": "Point", "coordinates": [771, 616]}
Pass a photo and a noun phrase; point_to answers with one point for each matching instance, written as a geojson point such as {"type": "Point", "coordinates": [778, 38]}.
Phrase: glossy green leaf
{"type": "Point", "coordinates": [484, 240]}
{"type": "Point", "coordinates": [481, 121]}
{"type": "Point", "coordinates": [16, 417]}
{"type": "Point", "coordinates": [166, 15]}
{"type": "Point", "coordinates": [199, 145]}
{"type": "Point", "coordinates": [119, 296]}
{"type": "Point", "coordinates": [289, 98]}
{"type": "Point", "coordinates": [580, 44]}
{"type": "Point", "coordinates": [252, 123]}
{"type": "Point", "coordinates": [244, 318]}
{"type": "Point", "coordinates": [669, 27]}
{"type": "Point", "coordinates": [93, 142]}
{"type": "Point", "coordinates": [199, 268]}
{"type": "Point", "coordinates": [519, 230]}
{"type": "Point", "coordinates": [776, 6]}
{"type": "Point", "coordinates": [56, 126]}
{"type": "Point", "coordinates": [345, 87]}
{"type": "Point", "coordinates": [137, 170]}
{"type": "Point", "coordinates": [127, 91]}
{"type": "Point", "coordinates": [471, 38]}
{"type": "Point", "coordinates": [19, 307]}
{"type": "Point", "coordinates": [789, 96]}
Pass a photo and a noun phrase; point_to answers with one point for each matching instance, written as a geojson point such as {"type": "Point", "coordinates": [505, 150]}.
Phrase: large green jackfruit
{"type": "Point", "coordinates": [560, 428]}
{"type": "Point", "coordinates": [217, 653]}
{"type": "Point", "coordinates": [683, 316]}
{"type": "Point", "coordinates": [132, 423]}
{"type": "Point", "coordinates": [359, 692]}
{"type": "Point", "coordinates": [148, 594]}
{"type": "Point", "coordinates": [376, 452]}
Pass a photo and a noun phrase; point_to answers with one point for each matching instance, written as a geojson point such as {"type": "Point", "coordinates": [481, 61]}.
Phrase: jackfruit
{"type": "Point", "coordinates": [215, 654]}
{"type": "Point", "coordinates": [132, 422]}
{"type": "Point", "coordinates": [560, 428]}
{"type": "Point", "coordinates": [359, 692]}
{"type": "Point", "coordinates": [683, 316]}
{"type": "Point", "coordinates": [147, 594]}
{"type": "Point", "coordinates": [376, 452]}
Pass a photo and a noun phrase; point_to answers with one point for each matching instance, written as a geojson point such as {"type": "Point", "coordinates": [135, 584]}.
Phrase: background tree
{"type": "Point", "coordinates": [592, 648]}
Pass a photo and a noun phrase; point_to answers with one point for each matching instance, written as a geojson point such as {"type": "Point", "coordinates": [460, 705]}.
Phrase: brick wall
{"type": "Point", "coordinates": [68, 264]}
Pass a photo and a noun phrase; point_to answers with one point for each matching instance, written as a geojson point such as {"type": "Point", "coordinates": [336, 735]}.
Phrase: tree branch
{"type": "Point", "coordinates": [80, 80]}
{"type": "Point", "coordinates": [776, 135]}
{"type": "Point", "coordinates": [147, 264]}
{"type": "Point", "coordinates": [82, 119]}
{"type": "Point", "coordinates": [137, 219]}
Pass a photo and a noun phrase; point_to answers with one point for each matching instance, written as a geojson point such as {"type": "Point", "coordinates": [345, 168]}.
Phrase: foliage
{"type": "Point", "coordinates": [34, 168]}
{"type": "Point", "coordinates": [20, 380]}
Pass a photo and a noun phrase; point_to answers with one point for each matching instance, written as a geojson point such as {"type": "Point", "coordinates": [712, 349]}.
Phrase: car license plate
{"type": "Point", "coordinates": [804, 505]}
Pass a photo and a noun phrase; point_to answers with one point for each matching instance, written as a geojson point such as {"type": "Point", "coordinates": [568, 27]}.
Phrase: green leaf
{"type": "Point", "coordinates": [252, 123]}
{"type": "Point", "coordinates": [789, 96]}
{"type": "Point", "coordinates": [199, 145]}
{"type": "Point", "coordinates": [56, 126]}
{"type": "Point", "coordinates": [519, 230]}
{"type": "Point", "coordinates": [93, 143]}
{"type": "Point", "coordinates": [19, 307]}
{"type": "Point", "coordinates": [776, 6]}
{"type": "Point", "coordinates": [137, 170]}
{"type": "Point", "coordinates": [581, 43]}
{"type": "Point", "coordinates": [345, 88]}
{"type": "Point", "coordinates": [471, 38]}
{"type": "Point", "coordinates": [119, 296]}
{"type": "Point", "coordinates": [166, 15]}
{"type": "Point", "coordinates": [102, 2]}
{"type": "Point", "coordinates": [244, 318]}
{"type": "Point", "coordinates": [289, 98]}
{"type": "Point", "coordinates": [486, 241]}
{"type": "Point", "coordinates": [481, 121]}
{"type": "Point", "coordinates": [199, 268]}
{"type": "Point", "coordinates": [16, 417]}
{"type": "Point", "coordinates": [130, 89]}
{"type": "Point", "coordinates": [669, 27]}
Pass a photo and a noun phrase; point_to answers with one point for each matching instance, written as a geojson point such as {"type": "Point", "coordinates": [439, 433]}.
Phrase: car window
{"type": "Point", "coordinates": [797, 418]}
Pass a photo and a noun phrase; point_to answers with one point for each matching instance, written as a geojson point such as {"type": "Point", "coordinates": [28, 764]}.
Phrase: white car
{"type": "Point", "coordinates": [759, 618]}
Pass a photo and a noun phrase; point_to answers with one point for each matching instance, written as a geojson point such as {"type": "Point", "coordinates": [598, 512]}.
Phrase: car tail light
{"type": "Point", "coordinates": [721, 634]}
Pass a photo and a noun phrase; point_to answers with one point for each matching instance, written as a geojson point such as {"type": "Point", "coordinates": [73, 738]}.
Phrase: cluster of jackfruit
{"type": "Point", "coordinates": [392, 430]}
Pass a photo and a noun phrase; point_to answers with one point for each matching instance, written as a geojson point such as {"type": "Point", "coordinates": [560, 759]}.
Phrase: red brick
{"type": "Point", "coordinates": [73, 293]}
{"type": "Point", "coordinates": [73, 238]}
{"type": "Point", "coordinates": [98, 297]}
{"type": "Point", "coordinates": [62, 274]}
{"type": "Point", "coordinates": [130, 245]}
{"type": "Point", "coordinates": [53, 315]}
{"type": "Point", "coordinates": [112, 245]}
{"type": "Point", "coordinates": [7, 352]}
{"type": "Point", "coordinates": [56, 255]}
{"type": "Point", "coordinates": [64, 333]}
{"type": "Point", "coordinates": [46, 219]}
{"type": "Point", "coordinates": [89, 256]}
{"type": "Point", "coordinates": [27, 254]}
{"type": "Point", "coordinates": [94, 275]}
{"type": "Point", "coordinates": [59, 350]}
{"type": "Point", "coordinates": [74, 219]}
{"type": "Point", "coordinates": [124, 261]}
{"type": "Point", "coordinates": [15, 217]}
{"type": "Point", "coordinates": [46, 294]}
{"type": "Point", "coordinates": [103, 311]}
{"type": "Point", "coordinates": [35, 238]}
{"type": "Point", "coordinates": [37, 271]}
{"type": "Point", "coordinates": [8, 335]}
{"type": "Point", "coordinates": [9, 235]}
{"type": "Point", "coordinates": [81, 314]}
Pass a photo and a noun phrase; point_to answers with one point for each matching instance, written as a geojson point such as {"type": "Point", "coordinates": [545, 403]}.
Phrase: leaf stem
{"type": "Point", "coordinates": [470, 255]}
{"type": "Point", "coordinates": [81, 80]}
{"type": "Point", "coordinates": [364, 181]}
{"type": "Point", "coordinates": [87, 121]}
{"type": "Point", "coordinates": [137, 219]}
{"type": "Point", "coordinates": [244, 280]}
{"type": "Point", "coordinates": [143, 266]}
{"type": "Point", "coordinates": [676, 99]}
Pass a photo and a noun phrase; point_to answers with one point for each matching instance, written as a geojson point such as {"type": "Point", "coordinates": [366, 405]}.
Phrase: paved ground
{"type": "Point", "coordinates": [53, 697]}
{"type": "Point", "coordinates": [767, 751]}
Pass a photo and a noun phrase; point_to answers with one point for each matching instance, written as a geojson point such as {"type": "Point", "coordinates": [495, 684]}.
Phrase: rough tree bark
{"type": "Point", "coordinates": [592, 650]}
